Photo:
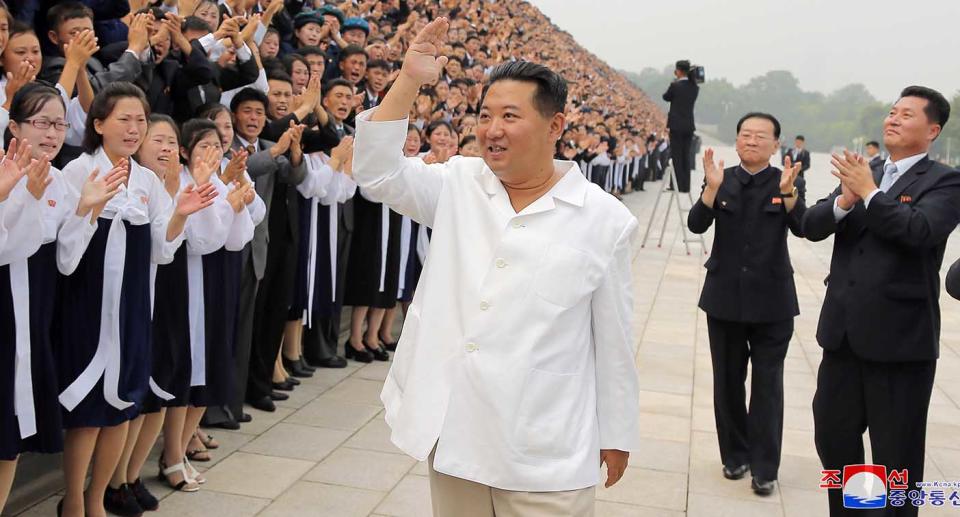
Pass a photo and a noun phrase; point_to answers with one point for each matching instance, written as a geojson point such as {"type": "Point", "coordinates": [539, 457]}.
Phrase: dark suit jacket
{"type": "Point", "coordinates": [877, 161]}
{"type": "Point", "coordinates": [126, 67]}
{"type": "Point", "coordinates": [681, 95]}
{"type": "Point", "coordinates": [884, 285]}
{"type": "Point", "coordinates": [953, 280]}
{"type": "Point", "coordinates": [804, 158]}
{"type": "Point", "coordinates": [749, 276]}
{"type": "Point", "coordinates": [268, 174]}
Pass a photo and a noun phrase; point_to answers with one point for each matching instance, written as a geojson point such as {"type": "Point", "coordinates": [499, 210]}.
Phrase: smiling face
{"type": "Point", "coordinates": [514, 137]}
{"type": "Point", "coordinates": [22, 48]}
{"type": "Point", "coordinates": [281, 96]}
{"type": "Point", "coordinates": [337, 102]}
{"type": "Point", "coordinates": [907, 130]}
{"type": "Point", "coordinates": [756, 142]}
{"type": "Point", "coordinates": [159, 149]}
{"type": "Point", "coordinates": [251, 117]}
{"type": "Point", "coordinates": [124, 129]}
{"type": "Point", "coordinates": [440, 138]}
{"type": "Point", "coordinates": [45, 142]}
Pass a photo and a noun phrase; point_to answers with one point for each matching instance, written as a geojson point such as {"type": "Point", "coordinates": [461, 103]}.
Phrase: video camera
{"type": "Point", "coordinates": [694, 72]}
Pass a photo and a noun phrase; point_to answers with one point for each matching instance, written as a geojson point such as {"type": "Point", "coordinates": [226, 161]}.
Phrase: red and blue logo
{"type": "Point", "coordinates": [864, 486]}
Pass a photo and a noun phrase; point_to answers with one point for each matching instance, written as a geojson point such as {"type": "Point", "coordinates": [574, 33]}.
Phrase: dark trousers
{"type": "Point", "coordinates": [749, 437]}
{"type": "Point", "coordinates": [320, 341]}
{"type": "Point", "coordinates": [680, 153]}
{"type": "Point", "coordinates": [248, 293]}
{"type": "Point", "coordinates": [272, 307]}
{"type": "Point", "coordinates": [888, 399]}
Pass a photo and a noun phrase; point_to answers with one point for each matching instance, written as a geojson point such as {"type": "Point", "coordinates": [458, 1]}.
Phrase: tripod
{"type": "Point", "coordinates": [673, 196]}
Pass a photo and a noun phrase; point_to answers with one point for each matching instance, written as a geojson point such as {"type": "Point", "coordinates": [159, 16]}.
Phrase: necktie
{"type": "Point", "coordinates": [889, 170]}
{"type": "Point", "coordinates": [251, 149]}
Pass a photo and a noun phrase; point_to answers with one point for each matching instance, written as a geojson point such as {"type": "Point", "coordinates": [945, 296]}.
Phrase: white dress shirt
{"type": "Point", "coordinates": [903, 165]}
{"type": "Point", "coordinates": [517, 355]}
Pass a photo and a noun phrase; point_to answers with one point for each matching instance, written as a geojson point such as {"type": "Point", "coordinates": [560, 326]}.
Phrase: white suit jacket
{"type": "Point", "coordinates": [517, 355]}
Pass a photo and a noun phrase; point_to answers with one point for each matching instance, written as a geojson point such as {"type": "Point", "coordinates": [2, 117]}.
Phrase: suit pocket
{"type": "Point", "coordinates": [560, 279]}
{"type": "Point", "coordinates": [550, 414]}
{"type": "Point", "coordinates": [905, 291]}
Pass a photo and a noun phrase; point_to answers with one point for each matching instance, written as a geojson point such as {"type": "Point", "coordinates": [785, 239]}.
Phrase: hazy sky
{"type": "Point", "coordinates": [827, 44]}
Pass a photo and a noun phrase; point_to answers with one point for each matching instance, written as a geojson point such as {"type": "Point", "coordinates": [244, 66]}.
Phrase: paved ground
{"type": "Point", "coordinates": [326, 451]}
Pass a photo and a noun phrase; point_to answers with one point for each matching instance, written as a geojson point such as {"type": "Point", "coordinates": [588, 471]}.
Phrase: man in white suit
{"type": "Point", "coordinates": [515, 372]}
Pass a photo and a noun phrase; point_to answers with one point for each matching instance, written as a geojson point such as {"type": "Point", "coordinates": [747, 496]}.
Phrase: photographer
{"type": "Point", "coordinates": [682, 95]}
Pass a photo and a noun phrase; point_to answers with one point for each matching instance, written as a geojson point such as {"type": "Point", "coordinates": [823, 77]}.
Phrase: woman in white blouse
{"type": "Point", "coordinates": [104, 341]}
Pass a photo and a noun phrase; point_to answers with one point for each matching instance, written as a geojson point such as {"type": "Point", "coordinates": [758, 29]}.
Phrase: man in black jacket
{"type": "Point", "coordinates": [749, 295]}
{"type": "Point", "coordinates": [682, 95]}
{"type": "Point", "coordinates": [880, 322]}
{"type": "Point", "coordinates": [799, 154]}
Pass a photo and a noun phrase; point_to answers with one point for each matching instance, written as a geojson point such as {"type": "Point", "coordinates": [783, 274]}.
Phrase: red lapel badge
{"type": "Point", "coordinates": [51, 203]}
{"type": "Point", "coordinates": [777, 200]}
{"type": "Point", "coordinates": [145, 199]}
{"type": "Point", "coordinates": [905, 199]}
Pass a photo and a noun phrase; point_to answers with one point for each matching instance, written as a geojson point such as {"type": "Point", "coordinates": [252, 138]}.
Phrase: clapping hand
{"type": "Point", "coordinates": [10, 170]}
{"type": "Point", "coordinates": [854, 173]}
{"type": "Point", "coordinates": [237, 197]}
{"type": "Point", "coordinates": [713, 173]}
{"type": "Point", "coordinates": [789, 176]}
{"type": "Point", "coordinates": [236, 166]}
{"type": "Point", "coordinates": [82, 47]}
{"type": "Point", "coordinates": [341, 153]}
{"type": "Point", "coordinates": [96, 192]}
{"type": "Point", "coordinates": [194, 198]}
{"type": "Point", "coordinates": [206, 164]}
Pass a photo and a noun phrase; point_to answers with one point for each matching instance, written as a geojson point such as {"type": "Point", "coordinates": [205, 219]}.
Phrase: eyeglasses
{"type": "Point", "coordinates": [42, 123]}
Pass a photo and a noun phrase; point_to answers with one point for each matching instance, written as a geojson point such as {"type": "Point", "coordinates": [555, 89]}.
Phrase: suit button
{"type": "Point", "coordinates": [744, 269]}
{"type": "Point", "coordinates": [471, 347]}
{"type": "Point", "coordinates": [484, 306]}
{"type": "Point", "coordinates": [517, 225]}
{"type": "Point", "coordinates": [501, 263]}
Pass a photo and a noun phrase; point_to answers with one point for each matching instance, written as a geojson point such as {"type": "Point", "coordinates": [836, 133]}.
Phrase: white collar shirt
{"type": "Point", "coordinates": [517, 358]}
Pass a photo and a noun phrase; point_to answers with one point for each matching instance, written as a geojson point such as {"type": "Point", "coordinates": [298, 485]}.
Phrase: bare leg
{"type": "Point", "coordinates": [173, 451]}
{"type": "Point", "coordinates": [149, 431]}
{"type": "Point", "coordinates": [106, 455]}
{"type": "Point", "coordinates": [77, 452]}
{"type": "Point", "coordinates": [279, 373]}
{"type": "Point", "coordinates": [357, 317]}
{"type": "Point", "coordinates": [190, 423]}
{"type": "Point", "coordinates": [386, 328]}
{"type": "Point", "coordinates": [291, 340]}
{"type": "Point", "coordinates": [133, 432]}
{"type": "Point", "coordinates": [374, 320]}
{"type": "Point", "coordinates": [7, 470]}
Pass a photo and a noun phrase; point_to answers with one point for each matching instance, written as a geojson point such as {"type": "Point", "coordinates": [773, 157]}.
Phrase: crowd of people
{"type": "Point", "coordinates": [179, 228]}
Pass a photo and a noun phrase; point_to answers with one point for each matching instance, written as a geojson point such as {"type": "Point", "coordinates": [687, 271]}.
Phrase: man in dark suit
{"type": "Point", "coordinates": [880, 323]}
{"type": "Point", "coordinates": [749, 295]}
{"type": "Point", "coordinates": [682, 95]}
{"type": "Point", "coordinates": [799, 154]}
{"type": "Point", "coordinates": [874, 158]}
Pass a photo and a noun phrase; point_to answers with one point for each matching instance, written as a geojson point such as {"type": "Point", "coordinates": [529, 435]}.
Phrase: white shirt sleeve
{"type": "Point", "coordinates": [74, 232]}
{"type": "Point", "coordinates": [241, 229]}
{"type": "Point", "coordinates": [318, 179]}
{"type": "Point", "coordinates": [839, 213]}
{"type": "Point", "coordinates": [866, 200]}
{"type": "Point", "coordinates": [161, 209]}
{"type": "Point", "coordinates": [260, 33]}
{"type": "Point", "coordinates": [206, 231]}
{"type": "Point", "coordinates": [77, 118]}
{"type": "Point", "coordinates": [618, 387]}
{"type": "Point", "coordinates": [407, 185]}
{"type": "Point", "coordinates": [19, 227]}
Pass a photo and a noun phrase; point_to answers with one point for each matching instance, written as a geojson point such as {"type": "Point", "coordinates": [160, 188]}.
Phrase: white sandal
{"type": "Point", "coordinates": [194, 474]}
{"type": "Point", "coordinates": [187, 485]}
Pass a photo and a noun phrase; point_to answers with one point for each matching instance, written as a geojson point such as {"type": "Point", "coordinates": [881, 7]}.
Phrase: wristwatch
{"type": "Point", "coordinates": [792, 193]}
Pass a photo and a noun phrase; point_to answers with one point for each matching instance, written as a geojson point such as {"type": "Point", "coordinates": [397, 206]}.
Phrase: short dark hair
{"type": "Point", "coordinates": [684, 66]}
{"type": "Point", "coordinates": [310, 50]}
{"type": "Point", "coordinates": [28, 101]}
{"type": "Point", "coordinates": [800, 138]}
{"type": "Point", "coordinates": [550, 97]}
{"type": "Point", "coordinates": [328, 86]}
{"type": "Point", "coordinates": [103, 105]}
{"type": "Point", "coordinates": [873, 143]}
{"type": "Point", "coordinates": [210, 110]}
{"type": "Point", "coordinates": [937, 108]}
{"type": "Point", "coordinates": [65, 11]}
{"type": "Point", "coordinates": [279, 75]}
{"type": "Point", "coordinates": [436, 124]}
{"type": "Point", "coordinates": [288, 61]}
{"type": "Point", "coordinates": [17, 28]}
{"type": "Point", "coordinates": [195, 23]}
{"type": "Point", "coordinates": [467, 139]}
{"type": "Point", "coordinates": [764, 116]}
{"type": "Point", "coordinates": [379, 63]}
{"type": "Point", "coordinates": [248, 94]}
{"type": "Point", "coordinates": [351, 50]}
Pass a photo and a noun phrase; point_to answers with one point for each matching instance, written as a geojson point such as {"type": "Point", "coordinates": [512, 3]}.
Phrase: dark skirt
{"type": "Point", "coordinates": [75, 343]}
{"type": "Point", "coordinates": [42, 272]}
{"type": "Point", "coordinates": [363, 270]}
{"type": "Point", "coordinates": [411, 275]}
{"type": "Point", "coordinates": [324, 304]}
{"type": "Point", "coordinates": [171, 334]}
{"type": "Point", "coordinates": [221, 298]}
{"type": "Point", "coordinates": [300, 299]}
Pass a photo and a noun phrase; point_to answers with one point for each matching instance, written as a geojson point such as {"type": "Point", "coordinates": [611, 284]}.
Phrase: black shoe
{"type": "Point", "coordinates": [304, 366]}
{"type": "Point", "coordinates": [295, 369]}
{"type": "Point", "coordinates": [378, 353]}
{"type": "Point", "coordinates": [244, 418]}
{"type": "Point", "coordinates": [331, 362]}
{"type": "Point", "coordinates": [263, 404]}
{"type": "Point", "coordinates": [275, 395]}
{"type": "Point", "coordinates": [293, 381]}
{"type": "Point", "coordinates": [389, 347]}
{"type": "Point", "coordinates": [229, 425]}
{"type": "Point", "coordinates": [145, 499]}
{"type": "Point", "coordinates": [121, 501]}
{"type": "Point", "coordinates": [360, 356]}
{"type": "Point", "coordinates": [763, 487]}
{"type": "Point", "coordinates": [736, 472]}
{"type": "Point", "coordinates": [283, 386]}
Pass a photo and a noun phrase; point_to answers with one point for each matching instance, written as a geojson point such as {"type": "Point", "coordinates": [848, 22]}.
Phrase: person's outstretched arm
{"type": "Point", "coordinates": [407, 185]}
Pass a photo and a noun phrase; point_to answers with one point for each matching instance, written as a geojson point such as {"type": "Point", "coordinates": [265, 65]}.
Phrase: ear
{"type": "Point", "coordinates": [52, 36]}
{"type": "Point", "coordinates": [184, 154]}
{"type": "Point", "coordinates": [98, 126]}
{"type": "Point", "coordinates": [14, 128]}
{"type": "Point", "coordinates": [935, 131]}
{"type": "Point", "coordinates": [557, 124]}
